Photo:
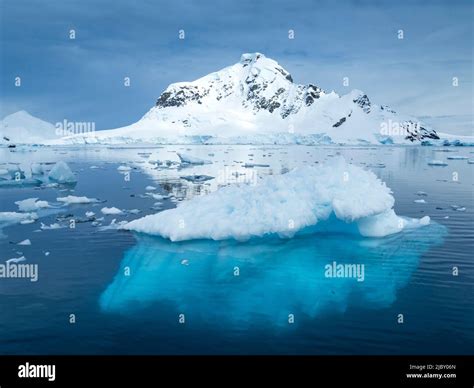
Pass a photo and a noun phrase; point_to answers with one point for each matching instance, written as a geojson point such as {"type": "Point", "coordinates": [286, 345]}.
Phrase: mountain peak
{"type": "Point", "coordinates": [248, 58]}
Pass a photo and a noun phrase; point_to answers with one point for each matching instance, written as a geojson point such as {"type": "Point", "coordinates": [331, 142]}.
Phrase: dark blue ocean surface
{"type": "Point", "coordinates": [137, 294]}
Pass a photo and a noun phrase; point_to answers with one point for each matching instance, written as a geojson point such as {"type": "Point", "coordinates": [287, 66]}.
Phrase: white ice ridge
{"type": "Point", "coordinates": [284, 205]}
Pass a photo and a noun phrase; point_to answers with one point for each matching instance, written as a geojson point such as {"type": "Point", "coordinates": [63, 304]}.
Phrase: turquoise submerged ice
{"type": "Point", "coordinates": [231, 282]}
{"type": "Point", "coordinates": [229, 263]}
{"type": "Point", "coordinates": [285, 205]}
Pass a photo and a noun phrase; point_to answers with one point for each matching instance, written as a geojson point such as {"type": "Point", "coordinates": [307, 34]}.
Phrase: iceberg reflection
{"type": "Point", "coordinates": [275, 277]}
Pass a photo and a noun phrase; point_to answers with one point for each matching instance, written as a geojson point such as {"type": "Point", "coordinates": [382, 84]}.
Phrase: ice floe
{"type": "Point", "coordinates": [14, 218]}
{"type": "Point", "coordinates": [188, 159]}
{"type": "Point", "coordinates": [25, 242]}
{"type": "Point", "coordinates": [72, 199]}
{"type": "Point", "coordinates": [51, 227]}
{"type": "Point", "coordinates": [111, 211]}
{"type": "Point", "coordinates": [31, 204]}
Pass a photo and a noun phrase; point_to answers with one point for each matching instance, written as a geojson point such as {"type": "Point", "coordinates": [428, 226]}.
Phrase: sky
{"type": "Point", "coordinates": [82, 79]}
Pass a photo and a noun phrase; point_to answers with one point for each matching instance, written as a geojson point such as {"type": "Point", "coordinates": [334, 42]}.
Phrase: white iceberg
{"type": "Point", "coordinates": [345, 196]}
{"type": "Point", "coordinates": [31, 204]}
{"type": "Point", "coordinates": [124, 168]}
{"type": "Point", "coordinates": [111, 210]}
{"type": "Point", "coordinates": [25, 242]}
{"type": "Point", "coordinates": [188, 159]}
{"type": "Point", "coordinates": [61, 173]}
{"type": "Point", "coordinates": [71, 199]}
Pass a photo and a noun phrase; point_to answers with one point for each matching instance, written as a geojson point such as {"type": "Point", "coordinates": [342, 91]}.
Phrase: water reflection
{"type": "Point", "coordinates": [264, 279]}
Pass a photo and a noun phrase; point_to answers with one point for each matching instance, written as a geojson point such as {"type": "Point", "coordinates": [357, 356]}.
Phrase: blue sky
{"type": "Point", "coordinates": [82, 79]}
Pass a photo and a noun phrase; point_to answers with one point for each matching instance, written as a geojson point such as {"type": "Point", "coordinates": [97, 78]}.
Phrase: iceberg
{"type": "Point", "coordinates": [61, 173]}
{"type": "Point", "coordinates": [71, 199]}
{"type": "Point", "coordinates": [37, 169]}
{"type": "Point", "coordinates": [188, 159]}
{"type": "Point", "coordinates": [332, 196]}
{"type": "Point", "coordinates": [31, 204]}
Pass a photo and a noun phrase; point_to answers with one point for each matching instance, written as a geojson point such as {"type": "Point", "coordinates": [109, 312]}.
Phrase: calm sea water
{"type": "Point", "coordinates": [128, 292]}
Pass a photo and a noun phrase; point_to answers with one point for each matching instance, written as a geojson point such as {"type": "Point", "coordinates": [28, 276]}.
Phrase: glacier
{"type": "Point", "coordinates": [331, 196]}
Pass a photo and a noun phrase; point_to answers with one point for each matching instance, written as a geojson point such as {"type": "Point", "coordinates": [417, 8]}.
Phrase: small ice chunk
{"type": "Point", "coordinates": [16, 259]}
{"type": "Point", "coordinates": [25, 242]}
{"type": "Point", "coordinates": [72, 199]}
{"type": "Point", "coordinates": [123, 168]}
{"type": "Point", "coordinates": [437, 163]}
{"type": "Point", "coordinates": [157, 196]}
{"type": "Point", "coordinates": [419, 201]}
{"type": "Point", "coordinates": [37, 169]}
{"type": "Point", "coordinates": [421, 193]}
{"type": "Point", "coordinates": [470, 161]}
{"type": "Point", "coordinates": [113, 225]}
{"type": "Point", "coordinates": [90, 214]}
{"type": "Point", "coordinates": [26, 222]}
{"type": "Point", "coordinates": [111, 211]}
{"type": "Point", "coordinates": [188, 159]}
{"type": "Point", "coordinates": [61, 173]}
{"type": "Point", "coordinates": [185, 262]}
{"type": "Point", "coordinates": [46, 253]}
{"type": "Point", "coordinates": [150, 188]}
{"type": "Point", "coordinates": [51, 227]}
{"type": "Point", "coordinates": [31, 204]}
{"type": "Point", "coordinates": [134, 211]}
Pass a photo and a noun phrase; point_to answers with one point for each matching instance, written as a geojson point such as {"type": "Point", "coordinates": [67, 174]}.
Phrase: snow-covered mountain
{"type": "Point", "coordinates": [257, 101]}
{"type": "Point", "coordinates": [23, 128]}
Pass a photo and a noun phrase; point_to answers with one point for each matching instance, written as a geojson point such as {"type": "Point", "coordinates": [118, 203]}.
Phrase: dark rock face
{"type": "Point", "coordinates": [181, 96]}
{"type": "Point", "coordinates": [415, 132]}
{"type": "Point", "coordinates": [340, 122]}
{"type": "Point", "coordinates": [363, 102]}
{"type": "Point", "coordinates": [312, 93]}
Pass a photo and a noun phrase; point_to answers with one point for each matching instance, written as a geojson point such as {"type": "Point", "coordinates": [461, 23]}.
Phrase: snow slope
{"type": "Point", "coordinates": [255, 101]}
{"type": "Point", "coordinates": [335, 196]}
{"type": "Point", "coordinates": [23, 128]}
